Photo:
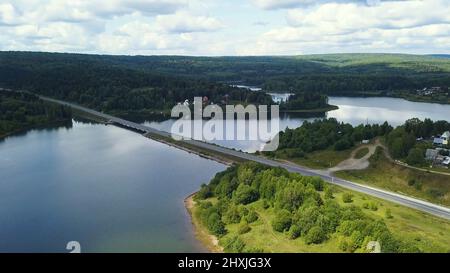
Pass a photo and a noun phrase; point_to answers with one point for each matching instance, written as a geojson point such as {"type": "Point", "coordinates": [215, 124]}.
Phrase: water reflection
{"type": "Point", "coordinates": [355, 111]}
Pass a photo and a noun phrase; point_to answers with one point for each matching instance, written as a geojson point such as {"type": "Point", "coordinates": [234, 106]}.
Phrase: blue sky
{"type": "Point", "coordinates": [233, 27]}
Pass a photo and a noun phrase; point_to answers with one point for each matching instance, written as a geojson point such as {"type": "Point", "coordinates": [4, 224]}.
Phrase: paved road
{"type": "Point", "coordinates": [436, 210]}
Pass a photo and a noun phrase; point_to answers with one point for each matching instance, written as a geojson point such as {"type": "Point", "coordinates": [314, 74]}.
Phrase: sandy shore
{"type": "Point", "coordinates": [211, 242]}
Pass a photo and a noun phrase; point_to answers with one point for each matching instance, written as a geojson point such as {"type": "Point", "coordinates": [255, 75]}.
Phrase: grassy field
{"type": "Point", "coordinates": [361, 153]}
{"type": "Point", "coordinates": [383, 173]}
{"type": "Point", "coordinates": [429, 232]}
{"type": "Point", "coordinates": [321, 159]}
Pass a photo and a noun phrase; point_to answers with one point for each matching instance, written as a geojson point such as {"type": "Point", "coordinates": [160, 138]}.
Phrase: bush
{"type": "Point", "coordinates": [282, 221]}
{"type": "Point", "coordinates": [295, 232]}
{"type": "Point", "coordinates": [204, 192]}
{"type": "Point", "coordinates": [232, 215]}
{"type": "Point", "coordinates": [215, 225]}
{"type": "Point", "coordinates": [329, 193]}
{"type": "Point", "coordinates": [416, 157]}
{"type": "Point", "coordinates": [315, 236]}
{"type": "Point", "coordinates": [245, 228]}
{"type": "Point", "coordinates": [252, 216]}
{"type": "Point", "coordinates": [347, 197]}
{"type": "Point", "coordinates": [245, 194]}
{"type": "Point", "coordinates": [234, 245]}
{"type": "Point", "coordinates": [388, 214]}
{"type": "Point", "coordinates": [436, 193]}
{"type": "Point", "coordinates": [373, 206]}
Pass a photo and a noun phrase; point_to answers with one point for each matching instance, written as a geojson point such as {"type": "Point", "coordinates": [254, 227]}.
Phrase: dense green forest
{"type": "Point", "coordinates": [98, 82]}
{"type": "Point", "coordinates": [19, 111]}
{"type": "Point", "coordinates": [303, 208]}
{"type": "Point", "coordinates": [127, 83]}
{"type": "Point", "coordinates": [324, 134]}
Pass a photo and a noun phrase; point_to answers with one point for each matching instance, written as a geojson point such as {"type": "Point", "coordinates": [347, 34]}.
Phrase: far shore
{"type": "Point", "coordinates": [209, 241]}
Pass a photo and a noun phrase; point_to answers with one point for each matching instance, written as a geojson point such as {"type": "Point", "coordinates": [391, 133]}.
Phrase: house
{"type": "Point", "coordinates": [431, 154]}
{"type": "Point", "coordinates": [445, 138]}
{"type": "Point", "coordinates": [365, 141]}
{"type": "Point", "coordinates": [446, 161]}
{"type": "Point", "coordinates": [438, 141]}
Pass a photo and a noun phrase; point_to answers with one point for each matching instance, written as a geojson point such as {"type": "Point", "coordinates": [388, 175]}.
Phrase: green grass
{"type": "Point", "coordinates": [385, 174]}
{"type": "Point", "coordinates": [320, 159]}
{"type": "Point", "coordinates": [361, 153]}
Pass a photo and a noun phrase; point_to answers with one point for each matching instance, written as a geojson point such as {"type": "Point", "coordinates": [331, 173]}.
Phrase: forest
{"type": "Point", "coordinates": [95, 82]}
{"type": "Point", "coordinates": [134, 83]}
{"type": "Point", "coordinates": [324, 134]}
{"type": "Point", "coordinates": [299, 207]}
{"type": "Point", "coordinates": [20, 111]}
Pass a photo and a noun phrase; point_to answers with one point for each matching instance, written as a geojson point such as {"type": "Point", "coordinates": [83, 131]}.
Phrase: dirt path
{"type": "Point", "coordinates": [354, 163]}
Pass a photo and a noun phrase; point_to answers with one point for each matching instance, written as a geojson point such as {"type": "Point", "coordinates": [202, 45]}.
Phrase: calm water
{"type": "Point", "coordinates": [351, 110]}
{"type": "Point", "coordinates": [114, 190]}
{"type": "Point", "coordinates": [106, 187]}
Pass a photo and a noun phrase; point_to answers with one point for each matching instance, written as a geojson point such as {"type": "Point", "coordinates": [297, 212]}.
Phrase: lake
{"type": "Point", "coordinates": [107, 188]}
{"type": "Point", "coordinates": [351, 110]}
{"type": "Point", "coordinates": [114, 190]}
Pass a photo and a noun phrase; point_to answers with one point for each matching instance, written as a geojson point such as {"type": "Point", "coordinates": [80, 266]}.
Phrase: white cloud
{"type": "Point", "coordinates": [400, 26]}
{"type": "Point", "coordinates": [280, 4]}
{"type": "Point", "coordinates": [198, 27]}
{"type": "Point", "coordinates": [183, 22]}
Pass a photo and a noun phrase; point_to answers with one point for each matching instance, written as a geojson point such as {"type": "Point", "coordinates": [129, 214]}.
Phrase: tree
{"type": "Point", "coordinates": [282, 221]}
{"type": "Point", "coordinates": [315, 236]}
{"type": "Point", "coordinates": [245, 194]}
{"type": "Point", "coordinates": [215, 225]}
{"type": "Point", "coordinates": [416, 156]}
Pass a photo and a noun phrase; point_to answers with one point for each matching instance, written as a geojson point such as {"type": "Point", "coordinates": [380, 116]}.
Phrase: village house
{"type": "Point", "coordinates": [443, 139]}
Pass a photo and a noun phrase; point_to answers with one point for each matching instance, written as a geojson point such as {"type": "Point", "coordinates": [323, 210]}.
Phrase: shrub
{"type": "Point", "coordinates": [234, 245]}
{"type": "Point", "coordinates": [204, 192]}
{"type": "Point", "coordinates": [329, 193]}
{"type": "Point", "coordinates": [282, 221]}
{"type": "Point", "coordinates": [215, 225]}
{"type": "Point", "coordinates": [416, 157]}
{"type": "Point", "coordinates": [252, 216]}
{"type": "Point", "coordinates": [373, 206]}
{"type": "Point", "coordinates": [347, 197]}
{"type": "Point", "coordinates": [245, 194]}
{"type": "Point", "coordinates": [295, 232]}
{"type": "Point", "coordinates": [245, 228]}
{"type": "Point", "coordinates": [315, 236]}
{"type": "Point", "coordinates": [232, 215]}
{"type": "Point", "coordinates": [388, 214]}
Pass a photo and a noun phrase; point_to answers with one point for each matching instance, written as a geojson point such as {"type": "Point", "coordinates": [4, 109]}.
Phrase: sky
{"type": "Point", "coordinates": [226, 27]}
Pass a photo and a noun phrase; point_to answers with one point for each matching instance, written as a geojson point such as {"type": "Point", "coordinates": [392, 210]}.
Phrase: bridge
{"type": "Point", "coordinates": [407, 201]}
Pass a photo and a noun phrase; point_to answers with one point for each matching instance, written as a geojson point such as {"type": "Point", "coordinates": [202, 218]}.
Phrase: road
{"type": "Point", "coordinates": [414, 203]}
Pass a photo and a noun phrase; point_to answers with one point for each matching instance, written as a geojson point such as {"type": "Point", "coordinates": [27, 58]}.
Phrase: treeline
{"type": "Point", "coordinates": [303, 208]}
{"type": "Point", "coordinates": [100, 83]}
{"type": "Point", "coordinates": [410, 141]}
{"type": "Point", "coordinates": [19, 111]}
{"type": "Point", "coordinates": [160, 81]}
{"type": "Point", "coordinates": [326, 133]}
{"type": "Point", "coordinates": [354, 84]}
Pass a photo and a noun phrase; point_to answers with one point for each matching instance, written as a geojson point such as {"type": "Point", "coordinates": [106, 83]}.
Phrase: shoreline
{"type": "Point", "coordinates": [210, 242]}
